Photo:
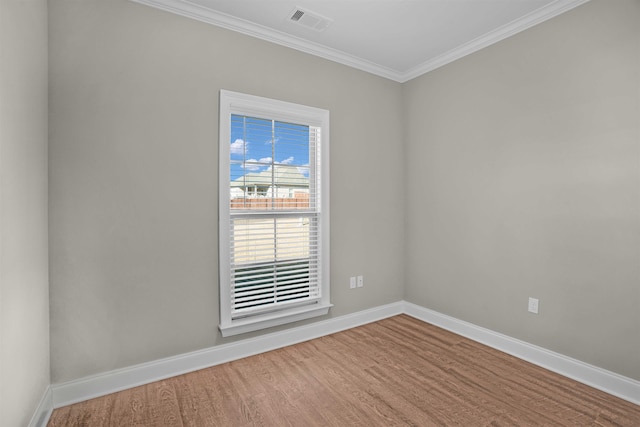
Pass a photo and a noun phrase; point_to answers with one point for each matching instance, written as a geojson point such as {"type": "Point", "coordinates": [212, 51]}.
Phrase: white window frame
{"type": "Point", "coordinates": [254, 106]}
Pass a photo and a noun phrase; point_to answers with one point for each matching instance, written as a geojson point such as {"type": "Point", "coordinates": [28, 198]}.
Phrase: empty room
{"type": "Point", "coordinates": [319, 212]}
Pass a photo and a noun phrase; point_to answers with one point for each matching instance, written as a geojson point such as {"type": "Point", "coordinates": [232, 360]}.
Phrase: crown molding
{"type": "Point", "coordinates": [203, 14]}
{"type": "Point", "coordinates": [536, 17]}
{"type": "Point", "coordinates": [223, 20]}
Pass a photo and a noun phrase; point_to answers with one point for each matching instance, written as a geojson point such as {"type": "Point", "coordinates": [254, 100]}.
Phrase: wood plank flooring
{"type": "Point", "coordinates": [395, 372]}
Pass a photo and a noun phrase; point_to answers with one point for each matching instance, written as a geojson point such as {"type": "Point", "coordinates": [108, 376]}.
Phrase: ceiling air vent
{"type": "Point", "coordinates": [309, 19]}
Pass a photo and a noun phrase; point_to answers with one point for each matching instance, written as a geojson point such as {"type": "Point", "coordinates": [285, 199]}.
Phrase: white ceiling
{"type": "Point", "coordinates": [396, 39]}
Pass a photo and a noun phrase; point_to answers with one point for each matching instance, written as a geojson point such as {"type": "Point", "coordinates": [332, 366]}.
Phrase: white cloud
{"type": "Point", "coordinates": [251, 167]}
{"type": "Point", "coordinates": [287, 161]}
{"type": "Point", "coordinates": [238, 146]}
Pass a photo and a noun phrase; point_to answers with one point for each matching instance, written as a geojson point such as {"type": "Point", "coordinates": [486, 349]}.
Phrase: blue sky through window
{"type": "Point", "coordinates": [259, 144]}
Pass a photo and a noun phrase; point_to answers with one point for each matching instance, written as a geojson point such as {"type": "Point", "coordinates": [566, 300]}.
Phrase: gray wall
{"type": "Point", "coordinates": [133, 181]}
{"type": "Point", "coordinates": [24, 284]}
{"type": "Point", "coordinates": [523, 179]}
{"type": "Point", "coordinates": [510, 173]}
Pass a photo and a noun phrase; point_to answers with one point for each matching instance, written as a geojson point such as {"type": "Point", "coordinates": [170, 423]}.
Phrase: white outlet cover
{"type": "Point", "coordinates": [533, 305]}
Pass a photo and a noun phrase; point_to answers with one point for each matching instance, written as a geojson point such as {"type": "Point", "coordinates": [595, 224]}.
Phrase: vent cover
{"type": "Point", "coordinates": [309, 19]}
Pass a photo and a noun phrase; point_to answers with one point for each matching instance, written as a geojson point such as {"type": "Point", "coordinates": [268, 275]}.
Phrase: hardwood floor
{"type": "Point", "coordinates": [398, 371]}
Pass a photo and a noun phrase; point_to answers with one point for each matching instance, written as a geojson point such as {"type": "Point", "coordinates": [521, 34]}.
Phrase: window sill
{"type": "Point", "coordinates": [241, 326]}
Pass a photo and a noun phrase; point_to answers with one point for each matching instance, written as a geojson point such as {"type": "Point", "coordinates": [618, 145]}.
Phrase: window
{"type": "Point", "coordinates": [274, 212]}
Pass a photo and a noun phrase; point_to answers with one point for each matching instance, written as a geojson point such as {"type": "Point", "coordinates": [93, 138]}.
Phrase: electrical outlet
{"type": "Point", "coordinates": [533, 305]}
{"type": "Point", "coordinates": [352, 283]}
{"type": "Point", "coordinates": [360, 281]}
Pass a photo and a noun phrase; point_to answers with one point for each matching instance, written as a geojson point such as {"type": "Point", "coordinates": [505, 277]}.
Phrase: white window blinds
{"type": "Point", "coordinates": [273, 216]}
{"type": "Point", "coordinates": [274, 251]}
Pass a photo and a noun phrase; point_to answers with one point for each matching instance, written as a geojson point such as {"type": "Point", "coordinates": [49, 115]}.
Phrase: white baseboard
{"type": "Point", "coordinates": [601, 379]}
{"type": "Point", "coordinates": [121, 379]}
{"type": "Point", "coordinates": [109, 382]}
{"type": "Point", "coordinates": [42, 413]}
